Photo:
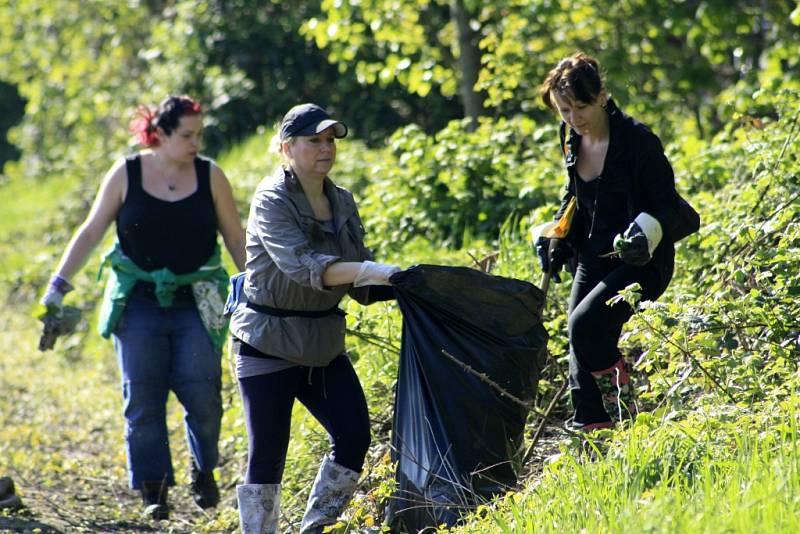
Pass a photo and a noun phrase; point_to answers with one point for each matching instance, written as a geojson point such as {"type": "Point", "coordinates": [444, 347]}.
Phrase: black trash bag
{"type": "Point", "coordinates": [455, 435]}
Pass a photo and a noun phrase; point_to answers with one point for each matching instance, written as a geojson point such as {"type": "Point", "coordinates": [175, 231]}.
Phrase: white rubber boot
{"type": "Point", "coordinates": [259, 508]}
{"type": "Point", "coordinates": [333, 488]}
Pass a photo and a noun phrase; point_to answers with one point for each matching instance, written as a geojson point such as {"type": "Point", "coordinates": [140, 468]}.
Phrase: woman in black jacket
{"type": "Point", "coordinates": [622, 189]}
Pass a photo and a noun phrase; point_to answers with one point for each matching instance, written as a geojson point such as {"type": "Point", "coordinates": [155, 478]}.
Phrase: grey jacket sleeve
{"type": "Point", "coordinates": [280, 233]}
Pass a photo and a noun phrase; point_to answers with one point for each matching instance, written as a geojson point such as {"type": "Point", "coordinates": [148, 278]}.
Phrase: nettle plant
{"type": "Point", "coordinates": [729, 323]}
{"type": "Point", "coordinates": [459, 183]}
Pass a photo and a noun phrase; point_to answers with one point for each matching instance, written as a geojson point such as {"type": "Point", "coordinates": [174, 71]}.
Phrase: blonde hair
{"type": "Point", "coordinates": [276, 146]}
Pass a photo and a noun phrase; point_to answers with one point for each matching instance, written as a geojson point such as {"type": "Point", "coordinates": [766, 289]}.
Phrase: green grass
{"type": "Point", "coordinates": [734, 471]}
{"type": "Point", "coordinates": [26, 208]}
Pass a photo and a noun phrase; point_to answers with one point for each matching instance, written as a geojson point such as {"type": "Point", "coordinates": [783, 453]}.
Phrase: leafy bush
{"type": "Point", "coordinates": [459, 182]}
{"type": "Point", "coordinates": [729, 322]}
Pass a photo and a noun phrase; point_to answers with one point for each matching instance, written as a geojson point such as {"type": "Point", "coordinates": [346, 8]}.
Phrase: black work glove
{"type": "Point", "coordinates": [632, 246]}
{"type": "Point", "coordinates": [57, 322]}
{"type": "Point", "coordinates": [561, 253]}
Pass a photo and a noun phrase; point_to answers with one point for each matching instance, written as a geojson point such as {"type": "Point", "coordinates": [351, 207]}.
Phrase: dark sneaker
{"type": "Point", "coordinates": [11, 503]}
{"type": "Point", "coordinates": [154, 497]}
{"type": "Point", "coordinates": [6, 487]}
{"type": "Point", "coordinates": [204, 488]}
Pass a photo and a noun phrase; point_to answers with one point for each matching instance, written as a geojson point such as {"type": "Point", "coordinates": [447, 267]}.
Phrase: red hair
{"type": "Point", "coordinates": [143, 127]}
{"type": "Point", "coordinates": [146, 122]}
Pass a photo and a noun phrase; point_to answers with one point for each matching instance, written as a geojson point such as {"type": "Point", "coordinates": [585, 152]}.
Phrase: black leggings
{"type": "Point", "coordinates": [594, 327]}
{"type": "Point", "coordinates": [334, 397]}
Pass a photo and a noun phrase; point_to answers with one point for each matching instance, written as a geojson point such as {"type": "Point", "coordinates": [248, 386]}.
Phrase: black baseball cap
{"type": "Point", "coordinates": [309, 119]}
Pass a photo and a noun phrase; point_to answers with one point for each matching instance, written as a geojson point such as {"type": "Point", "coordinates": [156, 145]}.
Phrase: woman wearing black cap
{"type": "Point", "coordinates": [305, 251]}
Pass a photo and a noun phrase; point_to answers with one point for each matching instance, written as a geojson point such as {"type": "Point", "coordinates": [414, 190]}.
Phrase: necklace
{"type": "Point", "coordinates": [171, 182]}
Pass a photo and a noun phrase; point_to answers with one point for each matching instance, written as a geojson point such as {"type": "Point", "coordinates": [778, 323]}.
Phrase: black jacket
{"type": "Point", "coordinates": [635, 164]}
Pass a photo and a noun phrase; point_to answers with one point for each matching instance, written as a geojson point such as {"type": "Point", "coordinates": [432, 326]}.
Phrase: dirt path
{"type": "Point", "coordinates": [61, 439]}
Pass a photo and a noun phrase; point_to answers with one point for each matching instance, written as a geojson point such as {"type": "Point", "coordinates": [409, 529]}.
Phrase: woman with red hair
{"type": "Point", "coordinates": [164, 298]}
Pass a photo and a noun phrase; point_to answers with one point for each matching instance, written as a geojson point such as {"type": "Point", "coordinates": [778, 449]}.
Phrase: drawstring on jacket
{"type": "Point", "coordinates": [324, 385]}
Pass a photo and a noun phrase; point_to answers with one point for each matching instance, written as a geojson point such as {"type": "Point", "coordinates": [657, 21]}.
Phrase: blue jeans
{"type": "Point", "coordinates": [162, 349]}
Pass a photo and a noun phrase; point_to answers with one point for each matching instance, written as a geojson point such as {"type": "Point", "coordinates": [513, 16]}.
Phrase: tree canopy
{"type": "Point", "coordinates": [82, 67]}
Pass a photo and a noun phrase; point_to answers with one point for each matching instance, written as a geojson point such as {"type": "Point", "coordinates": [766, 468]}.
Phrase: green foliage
{"type": "Point", "coordinates": [258, 47]}
{"type": "Point", "coordinates": [83, 67]}
{"type": "Point", "coordinates": [664, 59]}
{"type": "Point", "coordinates": [74, 49]}
{"type": "Point", "coordinates": [405, 41]}
{"type": "Point", "coordinates": [662, 56]}
{"type": "Point", "coordinates": [717, 470]}
{"type": "Point", "coordinates": [738, 333]}
{"type": "Point", "coordinates": [428, 48]}
{"type": "Point", "coordinates": [459, 182]}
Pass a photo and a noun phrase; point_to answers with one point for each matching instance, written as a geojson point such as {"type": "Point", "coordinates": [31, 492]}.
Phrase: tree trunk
{"type": "Point", "coordinates": [469, 61]}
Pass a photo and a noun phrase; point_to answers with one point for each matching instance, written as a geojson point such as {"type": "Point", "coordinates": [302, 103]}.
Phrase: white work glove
{"type": "Point", "coordinates": [636, 245]}
{"type": "Point", "coordinates": [651, 229]}
{"type": "Point", "coordinates": [56, 289]}
{"type": "Point", "coordinates": [374, 274]}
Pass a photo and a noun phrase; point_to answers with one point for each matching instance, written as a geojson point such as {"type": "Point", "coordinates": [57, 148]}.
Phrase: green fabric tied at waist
{"type": "Point", "coordinates": [209, 287]}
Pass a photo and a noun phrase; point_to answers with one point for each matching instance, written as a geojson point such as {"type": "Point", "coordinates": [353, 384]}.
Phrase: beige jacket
{"type": "Point", "coordinates": [288, 250]}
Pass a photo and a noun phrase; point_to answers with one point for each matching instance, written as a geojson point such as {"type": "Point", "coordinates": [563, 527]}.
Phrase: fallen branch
{"type": "Point", "coordinates": [372, 339]}
{"type": "Point", "coordinates": [497, 387]}
{"type": "Point", "coordinates": [540, 429]}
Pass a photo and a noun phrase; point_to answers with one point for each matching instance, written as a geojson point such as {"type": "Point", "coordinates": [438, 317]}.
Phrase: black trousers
{"type": "Point", "coordinates": [594, 326]}
{"type": "Point", "coordinates": [332, 394]}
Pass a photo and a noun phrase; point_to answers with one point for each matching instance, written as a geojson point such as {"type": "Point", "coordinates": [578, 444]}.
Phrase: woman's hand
{"type": "Point", "coordinates": [374, 274]}
{"type": "Point", "coordinates": [367, 273]}
{"type": "Point", "coordinates": [56, 290]}
{"type": "Point", "coordinates": [632, 246]}
{"type": "Point", "coordinates": [636, 245]}
{"type": "Point", "coordinates": [553, 262]}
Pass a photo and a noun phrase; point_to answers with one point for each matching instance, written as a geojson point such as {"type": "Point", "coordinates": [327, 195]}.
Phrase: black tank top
{"type": "Point", "coordinates": [604, 208]}
{"type": "Point", "coordinates": [155, 233]}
